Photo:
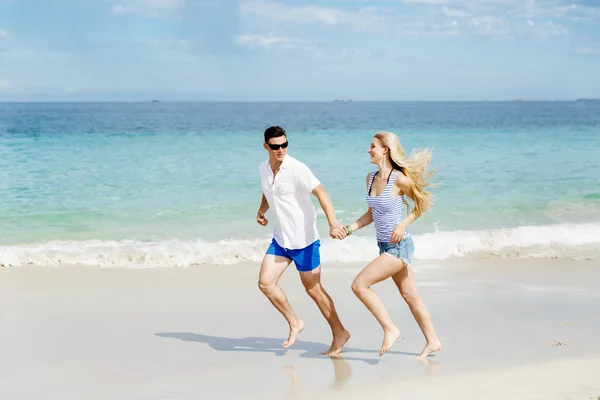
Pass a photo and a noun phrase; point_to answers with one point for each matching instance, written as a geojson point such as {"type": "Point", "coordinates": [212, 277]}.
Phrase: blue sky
{"type": "Point", "coordinates": [299, 50]}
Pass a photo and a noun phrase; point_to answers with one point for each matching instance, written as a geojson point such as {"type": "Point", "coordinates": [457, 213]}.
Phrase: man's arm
{"type": "Point", "coordinates": [336, 229]}
{"type": "Point", "coordinates": [260, 216]}
{"type": "Point", "coordinates": [365, 219]}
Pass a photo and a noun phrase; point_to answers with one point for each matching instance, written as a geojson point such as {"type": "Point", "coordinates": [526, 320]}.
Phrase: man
{"type": "Point", "coordinates": [287, 185]}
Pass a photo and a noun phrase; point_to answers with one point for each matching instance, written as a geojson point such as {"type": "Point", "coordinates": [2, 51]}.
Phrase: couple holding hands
{"type": "Point", "coordinates": [287, 185]}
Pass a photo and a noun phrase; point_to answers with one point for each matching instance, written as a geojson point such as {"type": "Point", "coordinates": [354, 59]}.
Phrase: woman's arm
{"type": "Point", "coordinates": [403, 183]}
{"type": "Point", "coordinates": [363, 221]}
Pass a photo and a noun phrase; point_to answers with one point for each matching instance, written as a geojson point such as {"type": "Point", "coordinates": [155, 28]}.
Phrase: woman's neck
{"type": "Point", "coordinates": [385, 168]}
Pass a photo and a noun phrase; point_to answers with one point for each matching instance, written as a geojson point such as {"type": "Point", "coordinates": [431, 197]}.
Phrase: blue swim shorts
{"type": "Point", "coordinates": [403, 250]}
{"type": "Point", "coordinates": [306, 259]}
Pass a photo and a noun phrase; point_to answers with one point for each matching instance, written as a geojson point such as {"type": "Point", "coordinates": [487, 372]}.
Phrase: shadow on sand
{"type": "Point", "coordinates": [342, 368]}
{"type": "Point", "coordinates": [271, 345]}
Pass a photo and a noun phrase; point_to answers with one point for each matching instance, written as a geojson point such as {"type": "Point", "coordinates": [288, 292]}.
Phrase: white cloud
{"type": "Point", "coordinates": [534, 19]}
{"type": "Point", "coordinates": [574, 10]}
{"type": "Point", "coordinates": [4, 84]}
{"type": "Point", "coordinates": [427, 21]}
{"type": "Point", "coordinates": [4, 34]}
{"type": "Point", "coordinates": [556, 9]}
{"type": "Point", "coordinates": [587, 49]}
{"type": "Point", "coordinates": [547, 29]}
{"type": "Point", "coordinates": [150, 8]}
{"type": "Point", "coordinates": [269, 42]}
{"type": "Point", "coordinates": [325, 53]}
{"type": "Point", "coordinates": [275, 11]}
{"type": "Point", "coordinates": [430, 29]}
{"type": "Point", "coordinates": [582, 13]}
{"type": "Point", "coordinates": [265, 41]}
{"type": "Point", "coordinates": [455, 13]}
{"type": "Point", "coordinates": [431, 2]}
{"type": "Point", "coordinates": [263, 14]}
{"type": "Point", "coordinates": [491, 26]}
{"type": "Point", "coordinates": [459, 2]}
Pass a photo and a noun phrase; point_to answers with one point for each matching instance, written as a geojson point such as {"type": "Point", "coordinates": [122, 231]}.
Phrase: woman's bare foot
{"type": "Point", "coordinates": [432, 367]}
{"type": "Point", "coordinates": [389, 338]}
{"type": "Point", "coordinates": [294, 378]}
{"type": "Point", "coordinates": [429, 349]}
{"type": "Point", "coordinates": [339, 341]}
{"type": "Point", "coordinates": [294, 331]}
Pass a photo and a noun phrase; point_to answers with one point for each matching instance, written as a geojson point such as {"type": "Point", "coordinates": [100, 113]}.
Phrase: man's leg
{"type": "Point", "coordinates": [312, 283]}
{"type": "Point", "coordinates": [270, 271]}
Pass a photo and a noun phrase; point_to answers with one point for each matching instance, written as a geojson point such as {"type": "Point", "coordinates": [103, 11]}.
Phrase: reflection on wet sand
{"type": "Point", "coordinates": [342, 372]}
{"type": "Point", "coordinates": [341, 364]}
{"type": "Point", "coordinates": [432, 367]}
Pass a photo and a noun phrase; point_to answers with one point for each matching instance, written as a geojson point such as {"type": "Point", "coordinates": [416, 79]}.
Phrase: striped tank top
{"type": "Point", "coordinates": [386, 210]}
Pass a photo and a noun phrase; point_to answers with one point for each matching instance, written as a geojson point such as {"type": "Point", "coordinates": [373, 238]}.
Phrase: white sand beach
{"type": "Point", "coordinates": [518, 329]}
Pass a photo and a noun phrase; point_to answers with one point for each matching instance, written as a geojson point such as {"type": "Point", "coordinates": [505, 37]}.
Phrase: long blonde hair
{"type": "Point", "coordinates": [414, 167]}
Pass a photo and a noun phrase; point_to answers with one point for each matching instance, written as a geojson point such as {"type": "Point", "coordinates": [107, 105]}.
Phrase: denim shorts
{"type": "Point", "coordinates": [403, 250]}
{"type": "Point", "coordinates": [306, 259]}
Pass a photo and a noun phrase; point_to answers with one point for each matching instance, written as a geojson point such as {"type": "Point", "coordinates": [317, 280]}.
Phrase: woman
{"type": "Point", "coordinates": [397, 177]}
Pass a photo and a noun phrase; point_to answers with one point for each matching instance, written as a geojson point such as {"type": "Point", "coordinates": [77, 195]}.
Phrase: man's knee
{"type": "Point", "coordinates": [312, 286]}
{"type": "Point", "coordinates": [313, 290]}
{"type": "Point", "coordinates": [266, 286]}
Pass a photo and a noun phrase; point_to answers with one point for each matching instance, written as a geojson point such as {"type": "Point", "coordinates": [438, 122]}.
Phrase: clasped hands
{"type": "Point", "coordinates": [337, 230]}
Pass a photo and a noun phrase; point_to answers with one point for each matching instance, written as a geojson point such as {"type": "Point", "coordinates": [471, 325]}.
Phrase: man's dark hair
{"type": "Point", "coordinates": [273, 132]}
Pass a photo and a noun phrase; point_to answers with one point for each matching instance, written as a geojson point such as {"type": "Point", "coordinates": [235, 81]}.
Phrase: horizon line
{"type": "Point", "coordinates": [157, 101]}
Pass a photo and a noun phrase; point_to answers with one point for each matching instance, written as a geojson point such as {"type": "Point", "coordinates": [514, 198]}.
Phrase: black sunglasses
{"type": "Point", "coordinates": [278, 146]}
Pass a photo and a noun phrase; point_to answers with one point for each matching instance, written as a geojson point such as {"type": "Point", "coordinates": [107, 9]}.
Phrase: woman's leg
{"type": "Point", "coordinates": [408, 289]}
{"type": "Point", "coordinates": [376, 271]}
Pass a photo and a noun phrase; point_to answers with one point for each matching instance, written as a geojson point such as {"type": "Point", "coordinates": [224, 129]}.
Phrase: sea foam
{"type": "Point", "coordinates": [566, 241]}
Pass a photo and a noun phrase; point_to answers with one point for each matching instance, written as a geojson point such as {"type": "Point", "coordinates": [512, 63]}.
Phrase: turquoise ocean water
{"type": "Point", "coordinates": [176, 184]}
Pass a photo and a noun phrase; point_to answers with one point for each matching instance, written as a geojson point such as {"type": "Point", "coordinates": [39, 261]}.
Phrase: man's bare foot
{"type": "Point", "coordinates": [339, 340]}
{"type": "Point", "coordinates": [389, 338]}
{"type": "Point", "coordinates": [429, 349]}
{"type": "Point", "coordinates": [294, 331]}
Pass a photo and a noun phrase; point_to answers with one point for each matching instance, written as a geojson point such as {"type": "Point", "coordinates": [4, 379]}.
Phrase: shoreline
{"type": "Point", "coordinates": [529, 243]}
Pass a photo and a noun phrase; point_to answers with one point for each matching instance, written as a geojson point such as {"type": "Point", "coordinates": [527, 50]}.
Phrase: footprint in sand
{"type": "Point", "coordinates": [560, 343]}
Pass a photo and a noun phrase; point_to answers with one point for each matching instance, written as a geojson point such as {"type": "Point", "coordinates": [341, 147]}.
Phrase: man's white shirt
{"type": "Point", "coordinates": [289, 199]}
